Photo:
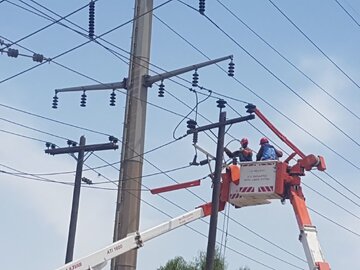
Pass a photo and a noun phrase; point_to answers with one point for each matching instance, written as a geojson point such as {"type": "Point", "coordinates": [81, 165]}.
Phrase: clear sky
{"type": "Point", "coordinates": [298, 61]}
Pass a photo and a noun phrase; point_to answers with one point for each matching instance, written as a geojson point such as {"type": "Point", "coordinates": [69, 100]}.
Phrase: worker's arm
{"type": "Point", "coordinates": [260, 153]}
{"type": "Point", "coordinates": [229, 153]}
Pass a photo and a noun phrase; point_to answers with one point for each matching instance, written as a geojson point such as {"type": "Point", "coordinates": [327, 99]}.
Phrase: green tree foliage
{"type": "Point", "coordinates": [178, 263]}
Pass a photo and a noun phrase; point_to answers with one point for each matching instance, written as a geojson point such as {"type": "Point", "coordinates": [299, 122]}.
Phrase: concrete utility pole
{"type": "Point", "coordinates": [128, 201]}
{"type": "Point", "coordinates": [81, 149]}
{"type": "Point", "coordinates": [127, 213]}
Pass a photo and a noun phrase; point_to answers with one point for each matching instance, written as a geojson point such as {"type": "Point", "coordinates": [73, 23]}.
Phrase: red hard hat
{"type": "Point", "coordinates": [244, 141]}
{"type": "Point", "coordinates": [264, 140]}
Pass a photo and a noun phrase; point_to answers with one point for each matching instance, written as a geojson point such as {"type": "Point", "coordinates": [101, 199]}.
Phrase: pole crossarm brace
{"type": "Point", "coordinates": [149, 80]}
{"type": "Point", "coordinates": [86, 148]}
{"type": "Point", "coordinates": [102, 86]}
{"type": "Point", "coordinates": [218, 124]}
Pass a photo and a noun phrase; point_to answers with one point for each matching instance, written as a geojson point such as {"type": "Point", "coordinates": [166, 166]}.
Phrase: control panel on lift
{"type": "Point", "coordinates": [253, 183]}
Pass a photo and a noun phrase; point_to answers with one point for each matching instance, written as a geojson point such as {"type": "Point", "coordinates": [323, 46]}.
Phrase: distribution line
{"type": "Point", "coordinates": [34, 129]}
{"type": "Point", "coordinates": [48, 17]}
{"type": "Point", "coordinates": [288, 61]}
{"type": "Point", "coordinates": [326, 198]}
{"type": "Point", "coordinates": [269, 104]}
{"type": "Point", "coordinates": [282, 82]}
{"type": "Point", "coordinates": [46, 180]}
{"type": "Point", "coordinates": [347, 12]}
{"type": "Point", "coordinates": [115, 55]}
{"type": "Point", "coordinates": [45, 27]}
{"type": "Point", "coordinates": [336, 223]}
{"type": "Point", "coordinates": [53, 120]}
{"type": "Point", "coordinates": [21, 135]}
{"type": "Point", "coordinates": [316, 46]}
{"type": "Point", "coordinates": [51, 134]}
{"type": "Point", "coordinates": [82, 44]}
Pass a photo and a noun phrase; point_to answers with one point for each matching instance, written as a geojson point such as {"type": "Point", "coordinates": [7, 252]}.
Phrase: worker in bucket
{"type": "Point", "coordinates": [244, 153]}
{"type": "Point", "coordinates": [267, 151]}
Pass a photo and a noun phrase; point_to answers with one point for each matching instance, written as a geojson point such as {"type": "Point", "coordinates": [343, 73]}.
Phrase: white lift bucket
{"type": "Point", "coordinates": [256, 185]}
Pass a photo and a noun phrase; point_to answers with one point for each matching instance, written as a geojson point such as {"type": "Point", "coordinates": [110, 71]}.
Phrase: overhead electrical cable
{"type": "Point", "coordinates": [334, 222]}
{"type": "Point", "coordinates": [47, 133]}
{"type": "Point", "coordinates": [277, 78]}
{"type": "Point", "coordinates": [347, 12]}
{"type": "Point", "coordinates": [316, 46]}
{"type": "Point", "coordinates": [21, 135]}
{"type": "Point", "coordinates": [327, 147]}
{"type": "Point", "coordinates": [34, 129]}
{"type": "Point", "coordinates": [333, 202]}
{"type": "Point", "coordinates": [47, 17]}
{"type": "Point", "coordinates": [82, 44]}
{"type": "Point", "coordinates": [45, 27]}
{"type": "Point", "coordinates": [289, 62]}
{"type": "Point", "coordinates": [53, 120]}
{"type": "Point", "coordinates": [121, 59]}
{"type": "Point", "coordinates": [276, 109]}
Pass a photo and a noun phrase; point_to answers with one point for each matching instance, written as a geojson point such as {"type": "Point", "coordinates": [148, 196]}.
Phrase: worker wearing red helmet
{"type": "Point", "coordinates": [244, 153]}
{"type": "Point", "coordinates": [267, 151]}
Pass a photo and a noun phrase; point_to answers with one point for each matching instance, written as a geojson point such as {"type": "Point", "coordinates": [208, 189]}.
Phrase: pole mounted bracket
{"type": "Point", "coordinates": [149, 80]}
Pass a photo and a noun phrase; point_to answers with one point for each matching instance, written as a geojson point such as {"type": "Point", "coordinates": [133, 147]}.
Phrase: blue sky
{"type": "Point", "coordinates": [319, 112]}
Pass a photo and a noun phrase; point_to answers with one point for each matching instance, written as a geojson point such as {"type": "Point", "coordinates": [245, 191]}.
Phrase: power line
{"type": "Point", "coordinates": [45, 27]}
{"type": "Point", "coordinates": [115, 53]}
{"type": "Point", "coordinates": [347, 12]}
{"type": "Point", "coordinates": [47, 133]}
{"type": "Point", "coordinates": [313, 43]}
{"type": "Point", "coordinates": [279, 79]}
{"type": "Point", "coordinates": [288, 61]}
{"type": "Point", "coordinates": [23, 136]}
{"type": "Point", "coordinates": [82, 44]}
{"type": "Point", "coordinates": [326, 198]}
{"type": "Point", "coordinates": [53, 120]}
{"type": "Point", "coordinates": [34, 129]}
{"type": "Point", "coordinates": [332, 221]}
{"type": "Point", "coordinates": [48, 17]}
{"type": "Point", "coordinates": [270, 105]}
